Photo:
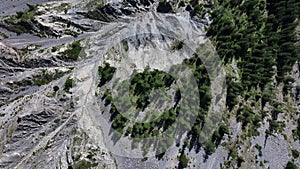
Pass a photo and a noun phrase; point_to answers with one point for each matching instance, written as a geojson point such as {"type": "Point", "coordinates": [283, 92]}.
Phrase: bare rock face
{"type": "Point", "coordinates": [8, 55]}
{"type": "Point", "coordinates": [57, 110]}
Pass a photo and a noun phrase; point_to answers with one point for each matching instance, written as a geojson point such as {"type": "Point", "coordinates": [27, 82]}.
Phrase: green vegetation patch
{"type": "Point", "coordinates": [259, 35]}
{"type": "Point", "coordinates": [140, 88]}
{"type": "Point", "coordinates": [3, 35]}
{"type": "Point", "coordinates": [42, 134]}
{"type": "Point", "coordinates": [250, 120]}
{"type": "Point", "coordinates": [119, 122]}
{"type": "Point", "coordinates": [105, 73]}
{"type": "Point", "coordinates": [62, 7]}
{"type": "Point", "coordinates": [183, 160]}
{"type": "Point", "coordinates": [99, 13]}
{"type": "Point", "coordinates": [219, 134]}
{"type": "Point", "coordinates": [177, 45]}
{"type": "Point", "coordinates": [144, 130]}
{"type": "Point", "coordinates": [291, 165]}
{"type": "Point", "coordinates": [46, 77]}
{"type": "Point", "coordinates": [143, 83]}
{"type": "Point", "coordinates": [95, 4]}
{"type": "Point", "coordinates": [19, 23]}
{"type": "Point", "coordinates": [259, 149]}
{"type": "Point", "coordinates": [233, 91]}
{"type": "Point", "coordinates": [22, 16]}
{"type": "Point", "coordinates": [83, 164]}
{"type": "Point", "coordinates": [55, 88]}
{"type": "Point", "coordinates": [71, 33]}
{"type": "Point", "coordinates": [201, 75]}
{"type": "Point", "coordinates": [209, 147]}
{"type": "Point", "coordinates": [68, 84]}
{"type": "Point", "coordinates": [73, 51]}
{"type": "Point", "coordinates": [295, 153]}
{"type": "Point", "coordinates": [245, 115]}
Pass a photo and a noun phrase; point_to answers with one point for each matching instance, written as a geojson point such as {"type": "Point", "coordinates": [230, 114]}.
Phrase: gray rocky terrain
{"type": "Point", "coordinates": [52, 111]}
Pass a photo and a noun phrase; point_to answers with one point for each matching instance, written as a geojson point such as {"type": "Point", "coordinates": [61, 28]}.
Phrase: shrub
{"type": "Point", "coordinates": [54, 49]}
{"type": "Point", "coordinates": [56, 121]}
{"type": "Point", "coordinates": [233, 90]}
{"type": "Point", "coordinates": [295, 153]}
{"type": "Point", "coordinates": [291, 165]}
{"type": "Point", "coordinates": [177, 46]}
{"type": "Point", "coordinates": [183, 161]}
{"type": "Point", "coordinates": [245, 115]}
{"type": "Point", "coordinates": [119, 123]}
{"type": "Point", "coordinates": [209, 147]}
{"type": "Point", "coordinates": [240, 160]}
{"type": "Point", "coordinates": [219, 134]}
{"type": "Point", "coordinates": [73, 50]}
{"type": "Point", "coordinates": [55, 88]}
{"type": "Point", "coordinates": [42, 134]}
{"type": "Point", "coordinates": [68, 84]}
{"type": "Point", "coordinates": [105, 73]}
